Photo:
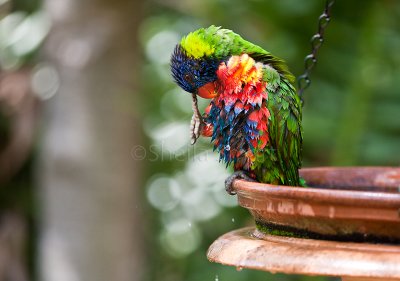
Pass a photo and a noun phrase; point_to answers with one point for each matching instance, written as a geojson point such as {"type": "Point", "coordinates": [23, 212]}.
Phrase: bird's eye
{"type": "Point", "coordinates": [188, 78]}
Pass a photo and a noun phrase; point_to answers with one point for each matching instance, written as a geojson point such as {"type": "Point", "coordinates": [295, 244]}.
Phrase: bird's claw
{"type": "Point", "coordinates": [196, 125]}
{"type": "Point", "coordinates": [236, 175]}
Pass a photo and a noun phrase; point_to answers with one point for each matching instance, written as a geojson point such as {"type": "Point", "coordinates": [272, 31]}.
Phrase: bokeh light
{"type": "Point", "coordinates": [20, 35]}
{"type": "Point", "coordinates": [45, 81]}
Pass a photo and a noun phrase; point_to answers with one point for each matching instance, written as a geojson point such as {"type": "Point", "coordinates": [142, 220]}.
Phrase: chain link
{"type": "Point", "coordinates": [310, 60]}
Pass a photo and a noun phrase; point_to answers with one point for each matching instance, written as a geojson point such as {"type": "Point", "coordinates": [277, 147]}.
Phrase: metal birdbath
{"type": "Point", "coordinates": [346, 224]}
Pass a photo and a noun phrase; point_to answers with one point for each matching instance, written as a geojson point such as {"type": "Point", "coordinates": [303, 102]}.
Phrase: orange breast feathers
{"type": "Point", "coordinates": [239, 87]}
{"type": "Point", "coordinates": [240, 79]}
{"type": "Point", "coordinates": [243, 88]}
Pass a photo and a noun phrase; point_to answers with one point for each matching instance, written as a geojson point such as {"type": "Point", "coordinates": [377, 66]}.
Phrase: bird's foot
{"type": "Point", "coordinates": [197, 123]}
{"type": "Point", "coordinates": [236, 175]}
{"type": "Point", "coordinates": [196, 126]}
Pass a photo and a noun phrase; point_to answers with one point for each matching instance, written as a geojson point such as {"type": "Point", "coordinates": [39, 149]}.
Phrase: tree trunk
{"type": "Point", "coordinates": [89, 183]}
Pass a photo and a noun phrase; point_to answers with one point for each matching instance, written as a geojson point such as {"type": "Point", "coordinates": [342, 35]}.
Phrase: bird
{"type": "Point", "coordinates": [254, 116]}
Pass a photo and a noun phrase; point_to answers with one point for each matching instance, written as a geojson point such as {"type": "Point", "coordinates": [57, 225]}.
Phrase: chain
{"type": "Point", "coordinates": [316, 43]}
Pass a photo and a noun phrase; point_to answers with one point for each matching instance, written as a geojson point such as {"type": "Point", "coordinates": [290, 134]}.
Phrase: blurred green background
{"type": "Point", "coordinates": [98, 180]}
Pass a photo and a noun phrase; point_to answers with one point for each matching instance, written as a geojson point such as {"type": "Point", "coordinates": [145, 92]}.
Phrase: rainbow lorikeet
{"type": "Point", "coordinates": [254, 117]}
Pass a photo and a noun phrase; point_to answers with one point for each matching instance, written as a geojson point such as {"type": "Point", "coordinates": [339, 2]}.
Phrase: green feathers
{"type": "Point", "coordinates": [223, 43]}
{"type": "Point", "coordinates": [281, 159]}
{"type": "Point", "coordinates": [255, 112]}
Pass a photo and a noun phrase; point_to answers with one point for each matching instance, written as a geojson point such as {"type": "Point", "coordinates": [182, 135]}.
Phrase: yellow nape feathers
{"type": "Point", "coordinates": [196, 46]}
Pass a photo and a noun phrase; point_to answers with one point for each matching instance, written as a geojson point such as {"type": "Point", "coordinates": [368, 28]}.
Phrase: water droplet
{"type": "Point", "coordinates": [233, 219]}
{"type": "Point", "coordinates": [239, 268]}
{"type": "Point", "coordinates": [216, 278]}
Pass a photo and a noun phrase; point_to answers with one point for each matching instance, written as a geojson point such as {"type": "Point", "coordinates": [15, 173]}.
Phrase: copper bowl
{"type": "Point", "coordinates": [359, 204]}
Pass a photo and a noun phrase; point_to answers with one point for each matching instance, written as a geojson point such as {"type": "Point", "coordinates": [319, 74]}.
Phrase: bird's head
{"type": "Point", "coordinates": [195, 61]}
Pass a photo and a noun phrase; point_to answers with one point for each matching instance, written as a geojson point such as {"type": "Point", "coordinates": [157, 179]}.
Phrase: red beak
{"type": "Point", "coordinates": [207, 91]}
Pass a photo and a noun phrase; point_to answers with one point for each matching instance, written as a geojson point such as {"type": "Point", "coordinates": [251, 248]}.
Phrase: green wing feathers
{"type": "Point", "coordinates": [281, 159]}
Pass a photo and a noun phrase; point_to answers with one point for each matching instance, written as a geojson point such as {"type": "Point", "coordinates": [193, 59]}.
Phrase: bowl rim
{"type": "Point", "coordinates": [261, 191]}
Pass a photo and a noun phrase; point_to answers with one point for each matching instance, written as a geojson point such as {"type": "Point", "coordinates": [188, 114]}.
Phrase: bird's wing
{"type": "Point", "coordinates": [285, 125]}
